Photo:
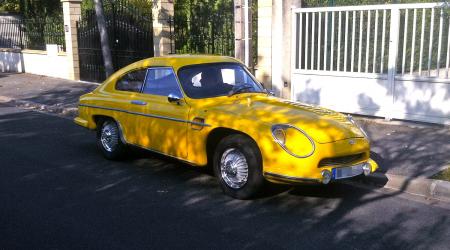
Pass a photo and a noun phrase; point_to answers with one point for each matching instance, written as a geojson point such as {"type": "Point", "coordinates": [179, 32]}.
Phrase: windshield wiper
{"type": "Point", "coordinates": [239, 88]}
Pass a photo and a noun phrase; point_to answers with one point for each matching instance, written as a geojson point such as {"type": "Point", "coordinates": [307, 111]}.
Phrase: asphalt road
{"type": "Point", "coordinates": [57, 192]}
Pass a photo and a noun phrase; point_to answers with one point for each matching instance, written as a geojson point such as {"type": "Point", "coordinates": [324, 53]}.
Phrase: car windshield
{"type": "Point", "coordinates": [217, 79]}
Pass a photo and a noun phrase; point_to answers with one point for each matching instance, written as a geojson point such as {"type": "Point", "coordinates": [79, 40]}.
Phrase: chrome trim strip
{"type": "Point", "coordinates": [298, 129]}
{"type": "Point", "coordinates": [146, 115]}
{"type": "Point", "coordinates": [289, 178]}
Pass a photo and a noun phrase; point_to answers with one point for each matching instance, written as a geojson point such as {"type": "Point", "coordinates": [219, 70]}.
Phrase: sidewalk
{"type": "Point", "coordinates": [43, 93]}
{"type": "Point", "coordinates": [405, 151]}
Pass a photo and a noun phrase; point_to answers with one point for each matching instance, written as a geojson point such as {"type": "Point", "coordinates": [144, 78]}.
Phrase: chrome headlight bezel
{"type": "Point", "coordinates": [282, 127]}
{"type": "Point", "coordinates": [352, 121]}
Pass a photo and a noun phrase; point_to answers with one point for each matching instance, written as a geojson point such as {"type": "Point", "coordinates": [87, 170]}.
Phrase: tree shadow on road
{"type": "Point", "coordinates": [149, 189]}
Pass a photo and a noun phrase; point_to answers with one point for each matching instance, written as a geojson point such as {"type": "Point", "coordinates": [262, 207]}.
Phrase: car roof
{"type": "Point", "coordinates": [178, 61]}
{"type": "Point", "coordinates": [174, 61]}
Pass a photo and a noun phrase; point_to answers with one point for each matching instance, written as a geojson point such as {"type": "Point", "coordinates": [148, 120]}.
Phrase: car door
{"type": "Point", "coordinates": [168, 112]}
{"type": "Point", "coordinates": [130, 103]}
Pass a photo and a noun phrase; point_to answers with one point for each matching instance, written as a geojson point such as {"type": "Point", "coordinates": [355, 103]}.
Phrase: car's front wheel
{"type": "Point", "coordinates": [238, 166]}
{"type": "Point", "coordinates": [108, 140]}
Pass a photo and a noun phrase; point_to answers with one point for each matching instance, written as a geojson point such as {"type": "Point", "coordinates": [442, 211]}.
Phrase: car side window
{"type": "Point", "coordinates": [132, 81]}
{"type": "Point", "coordinates": [161, 81]}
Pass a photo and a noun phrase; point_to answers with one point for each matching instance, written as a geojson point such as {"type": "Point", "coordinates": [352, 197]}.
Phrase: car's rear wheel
{"type": "Point", "coordinates": [108, 140]}
{"type": "Point", "coordinates": [238, 166]}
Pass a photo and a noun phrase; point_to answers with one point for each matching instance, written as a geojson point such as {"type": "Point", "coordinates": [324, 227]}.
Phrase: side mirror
{"type": "Point", "coordinates": [174, 98]}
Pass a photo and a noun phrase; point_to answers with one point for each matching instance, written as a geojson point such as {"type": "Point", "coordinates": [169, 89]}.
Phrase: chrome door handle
{"type": "Point", "coordinates": [137, 102]}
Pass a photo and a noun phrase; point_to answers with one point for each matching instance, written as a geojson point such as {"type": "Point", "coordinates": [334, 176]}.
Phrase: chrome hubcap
{"type": "Point", "coordinates": [109, 136]}
{"type": "Point", "coordinates": [234, 168]}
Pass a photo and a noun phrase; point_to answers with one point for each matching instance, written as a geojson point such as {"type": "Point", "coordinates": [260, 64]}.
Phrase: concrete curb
{"type": "Point", "coordinates": [429, 188]}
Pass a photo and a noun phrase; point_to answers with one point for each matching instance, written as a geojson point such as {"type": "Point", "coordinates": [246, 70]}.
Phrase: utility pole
{"type": "Point", "coordinates": [104, 38]}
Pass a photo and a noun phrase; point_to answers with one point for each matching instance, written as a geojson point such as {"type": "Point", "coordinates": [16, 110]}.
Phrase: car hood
{"type": "Point", "coordinates": [321, 124]}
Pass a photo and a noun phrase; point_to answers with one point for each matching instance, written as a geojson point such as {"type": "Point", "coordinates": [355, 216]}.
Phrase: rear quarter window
{"type": "Point", "coordinates": [132, 81]}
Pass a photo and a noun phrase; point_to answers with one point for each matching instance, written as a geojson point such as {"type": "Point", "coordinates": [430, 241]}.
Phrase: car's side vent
{"type": "Point", "coordinates": [341, 160]}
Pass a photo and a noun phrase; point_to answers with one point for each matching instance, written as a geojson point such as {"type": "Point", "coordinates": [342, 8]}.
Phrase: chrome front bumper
{"type": "Point", "coordinates": [338, 173]}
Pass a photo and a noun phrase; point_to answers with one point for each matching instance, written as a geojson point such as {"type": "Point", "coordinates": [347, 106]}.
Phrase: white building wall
{"type": "Point", "coordinates": [35, 62]}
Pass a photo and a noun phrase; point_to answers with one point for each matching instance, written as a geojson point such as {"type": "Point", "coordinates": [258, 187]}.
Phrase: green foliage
{"type": "Point", "coordinates": [443, 175]}
{"type": "Point", "coordinates": [144, 5]}
{"type": "Point", "coordinates": [204, 26]}
{"type": "Point", "coordinates": [87, 5]}
{"type": "Point", "coordinates": [32, 8]}
{"type": "Point", "coordinates": [43, 23]}
{"type": "Point", "coordinates": [41, 8]}
{"type": "Point", "coordinates": [207, 26]}
{"type": "Point", "coordinates": [9, 6]}
{"type": "Point", "coordinates": [41, 31]}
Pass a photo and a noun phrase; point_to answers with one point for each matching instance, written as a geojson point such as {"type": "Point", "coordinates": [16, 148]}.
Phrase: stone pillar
{"type": "Point", "coordinates": [162, 12]}
{"type": "Point", "coordinates": [238, 30]}
{"type": "Point", "coordinates": [264, 68]}
{"type": "Point", "coordinates": [284, 79]}
{"type": "Point", "coordinates": [72, 13]}
{"type": "Point", "coordinates": [278, 47]}
{"type": "Point", "coordinates": [274, 44]}
{"type": "Point", "coordinates": [242, 44]}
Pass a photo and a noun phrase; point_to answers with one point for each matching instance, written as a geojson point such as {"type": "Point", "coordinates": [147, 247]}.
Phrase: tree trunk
{"type": "Point", "coordinates": [104, 39]}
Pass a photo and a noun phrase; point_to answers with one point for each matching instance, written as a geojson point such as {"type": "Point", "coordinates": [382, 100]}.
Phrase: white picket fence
{"type": "Point", "coordinates": [383, 60]}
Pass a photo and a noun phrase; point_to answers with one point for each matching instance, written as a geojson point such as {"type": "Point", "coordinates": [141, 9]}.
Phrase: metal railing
{"type": "Point", "coordinates": [130, 31]}
{"type": "Point", "coordinates": [31, 33]}
{"type": "Point", "coordinates": [402, 39]}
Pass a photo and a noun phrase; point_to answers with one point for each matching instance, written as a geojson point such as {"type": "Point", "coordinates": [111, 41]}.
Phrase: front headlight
{"type": "Point", "coordinates": [350, 119]}
{"type": "Point", "coordinates": [293, 140]}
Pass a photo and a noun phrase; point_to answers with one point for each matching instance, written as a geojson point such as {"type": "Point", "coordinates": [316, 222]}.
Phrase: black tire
{"type": "Point", "coordinates": [116, 152]}
{"type": "Point", "coordinates": [250, 150]}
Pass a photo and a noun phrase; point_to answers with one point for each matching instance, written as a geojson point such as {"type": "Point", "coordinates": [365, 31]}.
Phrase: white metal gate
{"type": "Point", "coordinates": [384, 60]}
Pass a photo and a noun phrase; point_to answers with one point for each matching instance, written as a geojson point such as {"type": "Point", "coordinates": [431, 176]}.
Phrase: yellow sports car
{"type": "Point", "coordinates": [209, 110]}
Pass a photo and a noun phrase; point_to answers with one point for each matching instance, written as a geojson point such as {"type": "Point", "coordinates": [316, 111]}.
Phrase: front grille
{"type": "Point", "coordinates": [341, 160]}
